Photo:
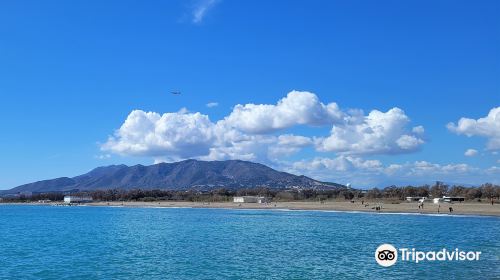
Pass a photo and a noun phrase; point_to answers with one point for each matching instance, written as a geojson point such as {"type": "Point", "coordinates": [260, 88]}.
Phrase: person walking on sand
{"type": "Point", "coordinates": [451, 209]}
{"type": "Point", "coordinates": [439, 207]}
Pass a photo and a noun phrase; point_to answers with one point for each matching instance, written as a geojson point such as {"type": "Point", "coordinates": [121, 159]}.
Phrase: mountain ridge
{"type": "Point", "coordinates": [182, 175]}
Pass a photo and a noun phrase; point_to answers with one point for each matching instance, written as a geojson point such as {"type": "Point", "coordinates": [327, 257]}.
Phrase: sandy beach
{"type": "Point", "coordinates": [466, 208]}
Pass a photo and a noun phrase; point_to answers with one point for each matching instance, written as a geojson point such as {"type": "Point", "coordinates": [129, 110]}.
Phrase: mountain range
{"type": "Point", "coordinates": [187, 174]}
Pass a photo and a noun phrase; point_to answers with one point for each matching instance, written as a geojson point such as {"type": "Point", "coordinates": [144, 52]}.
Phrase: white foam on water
{"type": "Point", "coordinates": [309, 210]}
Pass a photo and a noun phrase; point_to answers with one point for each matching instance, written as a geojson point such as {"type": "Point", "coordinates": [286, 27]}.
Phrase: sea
{"type": "Point", "coordinates": [86, 242]}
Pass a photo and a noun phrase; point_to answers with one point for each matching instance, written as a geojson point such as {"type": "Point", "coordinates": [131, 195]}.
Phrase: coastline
{"type": "Point", "coordinates": [476, 209]}
{"type": "Point", "coordinates": [459, 209]}
{"type": "Point", "coordinates": [465, 208]}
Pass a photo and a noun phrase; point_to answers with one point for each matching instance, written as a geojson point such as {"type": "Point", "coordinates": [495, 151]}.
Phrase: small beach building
{"type": "Point", "coordinates": [453, 198]}
{"type": "Point", "coordinates": [77, 199]}
{"type": "Point", "coordinates": [438, 200]}
{"type": "Point", "coordinates": [449, 199]}
{"type": "Point", "coordinates": [415, 198]}
{"type": "Point", "coordinates": [251, 199]}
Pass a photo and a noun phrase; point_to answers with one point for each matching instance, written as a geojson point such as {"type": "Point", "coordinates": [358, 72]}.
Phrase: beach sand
{"type": "Point", "coordinates": [465, 208]}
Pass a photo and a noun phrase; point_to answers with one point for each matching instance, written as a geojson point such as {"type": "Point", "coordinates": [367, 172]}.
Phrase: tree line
{"type": "Point", "coordinates": [439, 189]}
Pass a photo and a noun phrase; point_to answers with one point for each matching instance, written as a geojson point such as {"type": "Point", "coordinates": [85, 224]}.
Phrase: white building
{"type": "Point", "coordinates": [77, 199]}
{"type": "Point", "coordinates": [449, 199]}
{"type": "Point", "coordinates": [250, 199]}
{"type": "Point", "coordinates": [453, 198]}
{"type": "Point", "coordinates": [437, 200]}
{"type": "Point", "coordinates": [416, 198]}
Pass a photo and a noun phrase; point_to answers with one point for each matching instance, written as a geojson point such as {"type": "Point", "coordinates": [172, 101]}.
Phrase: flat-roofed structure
{"type": "Point", "coordinates": [251, 199]}
{"type": "Point", "coordinates": [449, 199]}
{"type": "Point", "coordinates": [415, 198]}
{"type": "Point", "coordinates": [77, 199]}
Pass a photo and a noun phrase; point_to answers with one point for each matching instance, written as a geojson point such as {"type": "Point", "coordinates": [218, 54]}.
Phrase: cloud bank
{"type": "Point", "coordinates": [352, 169]}
{"type": "Point", "coordinates": [253, 131]}
{"type": "Point", "coordinates": [264, 133]}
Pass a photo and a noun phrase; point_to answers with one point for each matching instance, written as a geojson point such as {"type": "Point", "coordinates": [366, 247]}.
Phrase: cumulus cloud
{"type": "Point", "coordinates": [488, 127]}
{"type": "Point", "coordinates": [176, 135]}
{"type": "Point", "coordinates": [249, 132]}
{"type": "Point", "coordinates": [288, 144]}
{"type": "Point", "coordinates": [470, 153]}
{"type": "Point", "coordinates": [294, 140]}
{"type": "Point", "coordinates": [376, 133]}
{"type": "Point", "coordinates": [341, 163]}
{"type": "Point", "coordinates": [181, 135]}
{"type": "Point", "coordinates": [201, 9]}
{"type": "Point", "coordinates": [252, 148]}
{"type": "Point", "coordinates": [212, 104]}
{"type": "Point", "coordinates": [262, 133]}
{"type": "Point", "coordinates": [297, 108]}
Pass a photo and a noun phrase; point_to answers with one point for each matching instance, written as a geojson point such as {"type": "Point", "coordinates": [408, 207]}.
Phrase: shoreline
{"type": "Point", "coordinates": [403, 208]}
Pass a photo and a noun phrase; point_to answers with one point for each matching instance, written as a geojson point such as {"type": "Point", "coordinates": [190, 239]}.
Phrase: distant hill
{"type": "Point", "coordinates": [188, 174]}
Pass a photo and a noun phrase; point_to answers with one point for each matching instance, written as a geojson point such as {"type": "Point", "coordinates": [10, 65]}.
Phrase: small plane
{"type": "Point", "coordinates": [175, 92]}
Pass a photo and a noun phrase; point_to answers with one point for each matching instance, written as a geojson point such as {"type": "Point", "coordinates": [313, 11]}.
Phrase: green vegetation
{"type": "Point", "coordinates": [391, 194]}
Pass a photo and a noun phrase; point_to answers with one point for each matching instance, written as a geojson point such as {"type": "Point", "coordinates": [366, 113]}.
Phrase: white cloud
{"type": "Point", "coordinates": [175, 135]}
{"type": "Point", "coordinates": [377, 133]}
{"type": "Point", "coordinates": [297, 108]}
{"type": "Point", "coordinates": [470, 152]}
{"type": "Point", "coordinates": [201, 8]}
{"type": "Point", "coordinates": [424, 168]}
{"type": "Point", "coordinates": [248, 132]}
{"type": "Point", "coordinates": [180, 135]}
{"type": "Point", "coordinates": [418, 130]}
{"type": "Point", "coordinates": [212, 104]}
{"type": "Point", "coordinates": [287, 145]}
{"type": "Point", "coordinates": [488, 127]}
{"type": "Point", "coordinates": [340, 163]}
{"type": "Point", "coordinates": [252, 132]}
{"type": "Point", "coordinates": [294, 140]}
{"type": "Point", "coordinates": [493, 170]}
{"type": "Point", "coordinates": [103, 156]}
{"type": "Point", "coordinates": [369, 173]}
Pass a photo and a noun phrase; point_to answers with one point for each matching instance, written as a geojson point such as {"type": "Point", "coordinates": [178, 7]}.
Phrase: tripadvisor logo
{"type": "Point", "coordinates": [387, 255]}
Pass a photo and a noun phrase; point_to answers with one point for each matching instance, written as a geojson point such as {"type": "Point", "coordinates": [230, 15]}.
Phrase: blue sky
{"type": "Point", "coordinates": [73, 71]}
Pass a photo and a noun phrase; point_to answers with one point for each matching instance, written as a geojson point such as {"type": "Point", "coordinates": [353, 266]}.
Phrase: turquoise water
{"type": "Point", "coordinates": [43, 242]}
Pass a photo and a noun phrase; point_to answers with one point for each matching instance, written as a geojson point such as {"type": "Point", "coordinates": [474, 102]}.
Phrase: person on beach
{"type": "Point", "coordinates": [451, 209]}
